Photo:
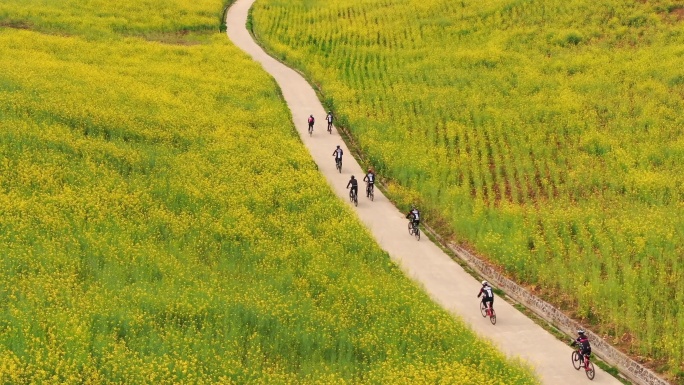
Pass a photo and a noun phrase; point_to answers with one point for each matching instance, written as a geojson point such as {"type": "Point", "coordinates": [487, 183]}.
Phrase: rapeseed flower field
{"type": "Point", "coordinates": [161, 222]}
{"type": "Point", "coordinates": [546, 135]}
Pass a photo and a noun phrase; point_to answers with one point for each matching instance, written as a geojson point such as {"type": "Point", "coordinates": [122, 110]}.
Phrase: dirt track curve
{"type": "Point", "coordinates": [442, 278]}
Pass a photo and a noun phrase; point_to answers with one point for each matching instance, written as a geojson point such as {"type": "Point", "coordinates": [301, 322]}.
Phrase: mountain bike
{"type": "Point", "coordinates": [588, 365]}
{"type": "Point", "coordinates": [338, 164]}
{"type": "Point", "coordinates": [414, 230]}
{"type": "Point", "coordinates": [487, 312]}
{"type": "Point", "coordinates": [353, 197]}
{"type": "Point", "coordinates": [369, 191]}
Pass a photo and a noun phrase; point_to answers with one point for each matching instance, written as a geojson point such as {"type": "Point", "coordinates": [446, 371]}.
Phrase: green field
{"type": "Point", "coordinates": [545, 135]}
{"type": "Point", "coordinates": [161, 222]}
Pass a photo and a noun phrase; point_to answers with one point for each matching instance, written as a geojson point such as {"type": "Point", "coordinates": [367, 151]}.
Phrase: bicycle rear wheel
{"type": "Point", "coordinates": [590, 370]}
{"type": "Point", "coordinates": [417, 233]}
{"type": "Point", "coordinates": [371, 193]}
{"type": "Point", "coordinates": [492, 318]}
{"type": "Point", "coordinates": [356, 199]}
{"type": "Point", "coordinates": [576, 360]}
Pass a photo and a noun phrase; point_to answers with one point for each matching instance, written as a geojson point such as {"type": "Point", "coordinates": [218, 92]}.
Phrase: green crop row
{"type": "Point", "coordinates": [547, 135]}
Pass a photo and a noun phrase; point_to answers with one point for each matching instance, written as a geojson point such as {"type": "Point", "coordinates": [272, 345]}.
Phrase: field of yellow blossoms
{"type": "Point", "coordinates": [546, 135]}
{"type": "Point", "coordinates": [161, 222]}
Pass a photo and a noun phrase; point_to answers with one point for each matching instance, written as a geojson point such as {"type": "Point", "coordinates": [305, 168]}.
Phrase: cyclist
{"type": "Point", "coordinates": [487, 296]}
{"type": "Point", "coordinates": [584, 347]}
{"type": "Point", "coordinates": [370, 180]}
{"type": "Point", "coordinates": [338, 155]}
{"type": "Point", "coordinates": [329, 119]}
{"type": "Point", "coordinates": [354, 186]}
{"type": "Point", "coordinates": [311, 122]}
{"type": "Point", "coordinates": [414, 216]}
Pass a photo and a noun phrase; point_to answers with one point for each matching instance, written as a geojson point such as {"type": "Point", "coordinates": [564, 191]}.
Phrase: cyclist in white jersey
{"type": "Point", "coordinates": [370, 180]}
{"type": "Point", "coordinates": [414, 215]}
{"type": "Point", "coordinates": [329, 119]}
{"type": "Point", "coordinates": [487, 295]}
{"type": "Point", "coordinates": [338, 155]}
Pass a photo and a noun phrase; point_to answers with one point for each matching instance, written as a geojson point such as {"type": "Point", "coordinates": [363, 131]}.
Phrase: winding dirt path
{"type": "Point", "coordinates": [442, 278]}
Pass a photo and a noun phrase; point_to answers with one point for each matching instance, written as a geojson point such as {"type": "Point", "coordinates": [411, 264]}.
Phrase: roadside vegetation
{"type": "Point", "coordinates": [545, 135]}
{"type": "Point", "coordinates": [161, 222]}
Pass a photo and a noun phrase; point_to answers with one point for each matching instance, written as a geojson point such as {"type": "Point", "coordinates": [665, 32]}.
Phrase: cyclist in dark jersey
{"type": "Point", "coordinates": [487, 295]}
{"type": "Point", "coordinates": [370, 179]}
{"type": "Point", "coordinates": [311, 122]}
{"type": "Point", "coordinates": [354, 185]}
{"type": "Point", "coordinates": [584, 347]}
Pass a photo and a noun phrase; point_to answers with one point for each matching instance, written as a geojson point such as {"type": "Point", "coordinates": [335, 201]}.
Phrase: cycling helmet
{"type": "Point", "coordinates": [580, 331]}
{"type": "Point", "coordinates": [370, 169]}
{"type": "Point", "coordinates": [353, 177]}
{"type": "Point", "coordinates": [338, 146]}
{"type": "Point", "coordinates": [485, 283]}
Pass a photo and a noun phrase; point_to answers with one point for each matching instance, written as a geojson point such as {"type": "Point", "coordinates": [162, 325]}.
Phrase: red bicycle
{"type": "Point", "coordinates": [587, 364]}
{"type": "Point", "coordinates": [487, 312]}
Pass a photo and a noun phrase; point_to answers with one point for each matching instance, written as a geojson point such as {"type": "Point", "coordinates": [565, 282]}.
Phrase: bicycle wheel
{"type": "Point", "coordinates": [417, 233]}
{"type": "Point", "coordinates": [371, 193]}
{"type": "Point", "coordinates": [410, 228]}
{"type": "Point", "coordinates": [483, 309]}
{"type": "Point", "coordinates": [492, 318]}
{"type": "Point", "coordinates": [356, 199]}
{"type": "Point", "coordinates": [589, 370]}
{"type": "Point", "coordinates": [310, 130]}
{"type": "Point", "coordinates": [576, 361]}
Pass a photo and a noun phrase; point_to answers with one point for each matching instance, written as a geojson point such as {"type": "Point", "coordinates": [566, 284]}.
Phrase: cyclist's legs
{"type": "Point", "coordinates": [354, 190]}
{"type": "Point", "coordinates": [487, 303]}
{"type": "Point", "coordinates": [584, 353]}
